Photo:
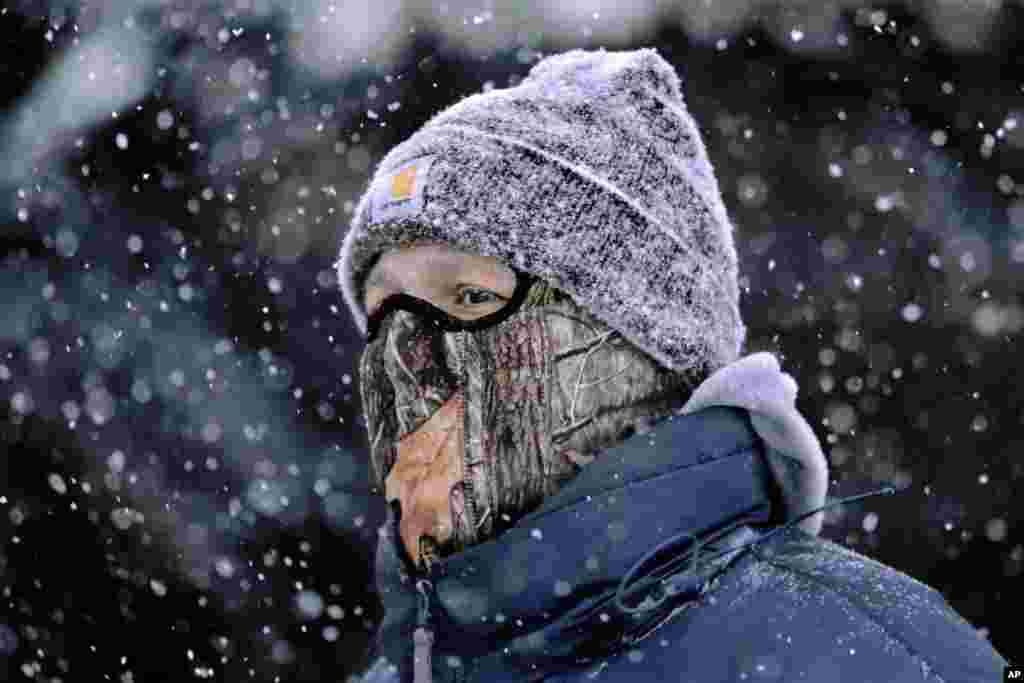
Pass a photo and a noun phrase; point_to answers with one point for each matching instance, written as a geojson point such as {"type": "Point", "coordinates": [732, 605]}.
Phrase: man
{"type": "Point", "coordinates": [586, 481]}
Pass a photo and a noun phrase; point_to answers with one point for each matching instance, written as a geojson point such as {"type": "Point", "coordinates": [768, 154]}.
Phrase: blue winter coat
{"type": "Point", "coordinates": [538, 603]}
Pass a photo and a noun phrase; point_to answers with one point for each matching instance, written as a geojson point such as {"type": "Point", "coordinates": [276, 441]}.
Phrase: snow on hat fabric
{"type": "Point", "coordinates": [590, 174]}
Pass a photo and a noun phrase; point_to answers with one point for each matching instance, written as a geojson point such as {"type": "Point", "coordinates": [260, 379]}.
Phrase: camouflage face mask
{"type": "Point", "coordinates": [470, 429]}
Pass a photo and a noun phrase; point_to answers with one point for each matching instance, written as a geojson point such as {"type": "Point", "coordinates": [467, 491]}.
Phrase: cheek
{"type": "Point", "coordinates": [521, 354]}
{"type": "Point", "coordinates": [378, 402]}
{"type": "Point", "coordinates": [417, 354]}
{"type": "Point", "coordinates": [372, 379]}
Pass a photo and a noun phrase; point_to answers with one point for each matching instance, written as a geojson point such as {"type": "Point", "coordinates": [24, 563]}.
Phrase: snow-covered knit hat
{"type": "Point", "coordinates": [590, 174]}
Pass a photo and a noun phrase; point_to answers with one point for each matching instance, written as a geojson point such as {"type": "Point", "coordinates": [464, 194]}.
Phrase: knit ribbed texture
{"type": "Point", "coordinates": [591, 174]}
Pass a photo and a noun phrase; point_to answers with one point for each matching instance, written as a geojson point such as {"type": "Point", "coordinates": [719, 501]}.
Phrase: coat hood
{"type": "Point", "coordinates": [757, 384]}
{"type": "Point", "coordinates": [548, 590]}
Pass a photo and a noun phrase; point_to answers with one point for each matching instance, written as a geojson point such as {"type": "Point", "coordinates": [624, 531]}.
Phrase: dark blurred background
{"type": "Point", "coordinates": [183, 479]}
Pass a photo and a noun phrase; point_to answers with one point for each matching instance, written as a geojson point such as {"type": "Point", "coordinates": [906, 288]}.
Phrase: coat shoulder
{"type": "Point", "coordinates": [880, 622]}
{"type": "Point", "coordinates": [801, 608]}
{"type": "Point", "coordinates": [910, 613]}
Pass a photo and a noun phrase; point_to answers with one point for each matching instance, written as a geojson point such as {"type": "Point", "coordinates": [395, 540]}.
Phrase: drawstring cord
{"type": "Point", "coordinates": [423, 637]}
{"type": "Point", "coordinates": [670, 583]}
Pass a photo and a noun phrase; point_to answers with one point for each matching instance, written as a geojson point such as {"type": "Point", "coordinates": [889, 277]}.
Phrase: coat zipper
{"type": "Point", "coordinates": [423, 636]}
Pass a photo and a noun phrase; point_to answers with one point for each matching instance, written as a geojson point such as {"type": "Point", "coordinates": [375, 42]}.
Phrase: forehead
{"type": "Point", "coordinates": [432, 260]}
{"type": "Point", "coordinates": [402, 258]}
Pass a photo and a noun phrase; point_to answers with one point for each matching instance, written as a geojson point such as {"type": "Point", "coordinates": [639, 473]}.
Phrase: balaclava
{"type": "Point", "coordinates": [506, 414]}
{"type": "Point", "coordinates": [591, 176]}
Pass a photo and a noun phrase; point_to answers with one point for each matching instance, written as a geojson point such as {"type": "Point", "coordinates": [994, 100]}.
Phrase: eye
{"type": "Point", "coordinates": [471, 296]}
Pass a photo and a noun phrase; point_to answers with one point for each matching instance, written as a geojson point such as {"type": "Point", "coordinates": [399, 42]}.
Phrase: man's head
{"type": "Point", "coordinates": [589, 174]}
{"type": "Point", "coordinates": [541, 267]}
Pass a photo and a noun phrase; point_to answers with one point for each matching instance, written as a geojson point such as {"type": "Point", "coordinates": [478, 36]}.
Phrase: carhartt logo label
{"type": "Point", "coordinates": [400, 195]}
{"type": "Point", "coordinates": [403, 183]}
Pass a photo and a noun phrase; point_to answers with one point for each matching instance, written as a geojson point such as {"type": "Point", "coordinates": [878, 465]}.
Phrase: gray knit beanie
{"type": "Point", "coordinates": [589, 174]}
